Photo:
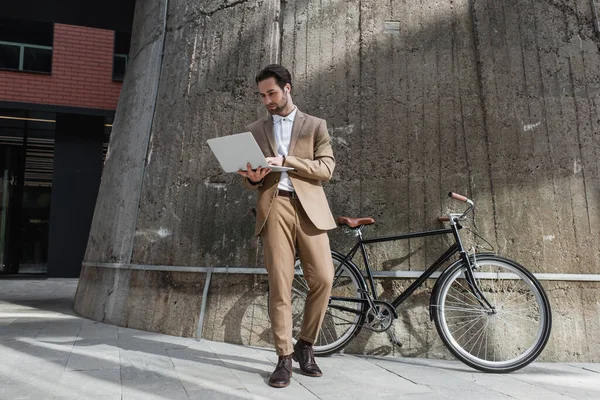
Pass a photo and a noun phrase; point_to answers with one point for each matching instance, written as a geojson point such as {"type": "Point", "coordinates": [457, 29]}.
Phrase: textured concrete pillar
{"type": "Point", "coordinates": [497, 100]}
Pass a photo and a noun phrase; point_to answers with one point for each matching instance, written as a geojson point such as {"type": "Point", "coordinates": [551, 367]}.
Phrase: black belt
{"type": "Point", "coordinates": [285, 193]}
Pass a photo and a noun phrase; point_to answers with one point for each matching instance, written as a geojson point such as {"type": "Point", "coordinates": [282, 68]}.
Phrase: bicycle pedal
{"type": "Point", "coordinates": [394, 339]}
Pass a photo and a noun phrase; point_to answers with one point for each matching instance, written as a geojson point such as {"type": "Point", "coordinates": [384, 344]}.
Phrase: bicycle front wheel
{"type": "Point", "coordinates": [344, 315]}
{"type": "Point", "coordinates": [500, 339]}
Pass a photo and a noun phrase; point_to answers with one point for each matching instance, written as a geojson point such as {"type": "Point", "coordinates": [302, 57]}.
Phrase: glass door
{"type": "Point", "coordinates": [9, 206]}
{"type": "Point", "coordinates": [26, 165]}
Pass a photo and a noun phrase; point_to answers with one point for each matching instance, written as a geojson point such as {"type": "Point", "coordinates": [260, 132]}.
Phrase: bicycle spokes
{"type": "Point", "coordinates": [504, 337]}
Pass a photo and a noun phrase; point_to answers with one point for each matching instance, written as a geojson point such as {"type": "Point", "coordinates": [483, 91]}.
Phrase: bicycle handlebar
{"type": "Point", "coordinates": [457, 217]}
{"type": "Point", "coordinates": [458, 197]}
{"type": "Point", "coordinates": [462, 198]}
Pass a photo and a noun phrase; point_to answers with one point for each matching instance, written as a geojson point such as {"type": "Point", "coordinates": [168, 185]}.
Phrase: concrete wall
{"type": "Point", "coordinates": [495, 99]}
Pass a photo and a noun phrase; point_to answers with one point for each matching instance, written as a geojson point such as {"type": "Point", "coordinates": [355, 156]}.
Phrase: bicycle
{"type": "Point", "coordinates": [490, 312]}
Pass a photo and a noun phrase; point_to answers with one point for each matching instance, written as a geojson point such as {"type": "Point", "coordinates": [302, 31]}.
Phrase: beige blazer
{"type": "Point", "coordinates": [310, 155]}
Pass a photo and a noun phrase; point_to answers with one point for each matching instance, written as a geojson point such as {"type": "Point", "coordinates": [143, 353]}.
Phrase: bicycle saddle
{"type": "Point", "coordinates": [355, 222]}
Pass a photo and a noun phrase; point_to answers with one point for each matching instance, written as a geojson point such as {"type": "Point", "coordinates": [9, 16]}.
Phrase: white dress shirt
{"type": "Point", "coordinates": [282, 129]}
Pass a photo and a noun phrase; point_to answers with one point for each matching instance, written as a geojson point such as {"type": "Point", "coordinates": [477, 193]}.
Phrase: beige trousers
{"type": "Point", "coordinates": [287, 230]}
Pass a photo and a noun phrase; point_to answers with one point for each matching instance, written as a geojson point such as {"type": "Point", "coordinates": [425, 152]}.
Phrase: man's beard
{"type": "Point", "coordinates": [278, 109]}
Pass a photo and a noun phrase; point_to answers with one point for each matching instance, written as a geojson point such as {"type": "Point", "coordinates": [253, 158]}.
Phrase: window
{"type": "Point", "coordinates": [122, 41]}
{"type": "Point", "coordinates": [26, 45]}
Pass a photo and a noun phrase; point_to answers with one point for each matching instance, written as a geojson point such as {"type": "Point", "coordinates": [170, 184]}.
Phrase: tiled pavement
{"type": "Point", "coordinates": [47, 352]}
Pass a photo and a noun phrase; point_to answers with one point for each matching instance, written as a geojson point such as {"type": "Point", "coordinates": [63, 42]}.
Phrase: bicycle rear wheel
{"type": "Point", "coordinates": [343, 317]}
{"type": "Point", "coordinates": [504, 339]}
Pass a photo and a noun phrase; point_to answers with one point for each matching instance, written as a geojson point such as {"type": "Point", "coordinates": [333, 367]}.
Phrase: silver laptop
{"type": "Point", "coordinates": [234, 151]}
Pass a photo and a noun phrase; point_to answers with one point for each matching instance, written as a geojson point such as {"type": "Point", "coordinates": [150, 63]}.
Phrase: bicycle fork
{"type": "Point", "coordinates": [475, 290]}
{"type": "Point", "coordinates": [469, 275]}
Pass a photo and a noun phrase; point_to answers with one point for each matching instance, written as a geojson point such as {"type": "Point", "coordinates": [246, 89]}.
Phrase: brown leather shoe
{"type": "Point", "coordinates": [303, 354]}
{"type": "Point", "coordinates": [280, 378]}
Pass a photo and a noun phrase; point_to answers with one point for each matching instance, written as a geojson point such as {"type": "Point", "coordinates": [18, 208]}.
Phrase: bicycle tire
{"type": "Point", "coordinates": [338, 327]}
{"type": "Point", "coordinates": [510, 338]}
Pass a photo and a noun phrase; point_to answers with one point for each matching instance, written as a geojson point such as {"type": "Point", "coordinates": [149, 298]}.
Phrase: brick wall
{"type": "Point", "coordinates": [81, 72]}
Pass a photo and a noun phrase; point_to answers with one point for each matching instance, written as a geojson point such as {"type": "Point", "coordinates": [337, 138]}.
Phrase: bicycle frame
{"type": "Point", "coordinates": [456, 247]}
{"type": "Point", "coordinates": [499, 338]}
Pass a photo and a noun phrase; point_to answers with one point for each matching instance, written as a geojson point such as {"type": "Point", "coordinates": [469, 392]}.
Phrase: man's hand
{"type": "Point", "coordinates": [256, 175]}
{"type": "Point", "coordinates": [275, 161]}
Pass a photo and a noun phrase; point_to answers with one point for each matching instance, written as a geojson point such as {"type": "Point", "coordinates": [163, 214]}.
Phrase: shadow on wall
{"type": "Point", "coordinates": [412, 108]}
{"type": "Point", "coordinates": [378, 118]}
{"type": "Point", "coordinates": [406, 116]}
{"type": "Point", "coordinates": [247, 320]}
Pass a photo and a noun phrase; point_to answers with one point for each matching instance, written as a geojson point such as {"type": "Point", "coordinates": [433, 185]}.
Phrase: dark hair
{"type": "Point", "coordinates": [279, 72]}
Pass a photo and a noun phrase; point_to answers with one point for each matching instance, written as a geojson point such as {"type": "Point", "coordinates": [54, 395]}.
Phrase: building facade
{"type": "Point", "coordinates": [59, 88]}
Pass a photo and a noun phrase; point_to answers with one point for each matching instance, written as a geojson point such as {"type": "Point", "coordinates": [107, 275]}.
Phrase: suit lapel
{"type": "Point", "coordinates": [268, 127]}
{"type": "Point", "coordinates": [296, 128]}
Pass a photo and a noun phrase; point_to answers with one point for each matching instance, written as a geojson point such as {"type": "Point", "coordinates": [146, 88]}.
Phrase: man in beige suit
{"type": "Point", "coordinates": [292, 215]}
